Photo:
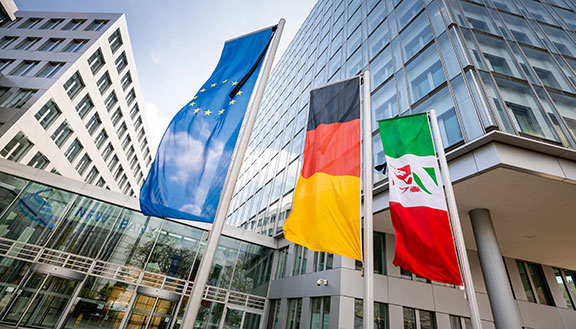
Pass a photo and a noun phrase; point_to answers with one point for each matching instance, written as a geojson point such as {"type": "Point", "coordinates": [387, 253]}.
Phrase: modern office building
{"type": "Point", "coordinates": [69, 98]}
{"type": "Point", "coordinates": [501, 77]}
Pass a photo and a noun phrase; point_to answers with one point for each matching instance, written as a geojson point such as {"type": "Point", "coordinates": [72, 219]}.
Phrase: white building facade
{"type": "Point", "coordinates": [69, 98]}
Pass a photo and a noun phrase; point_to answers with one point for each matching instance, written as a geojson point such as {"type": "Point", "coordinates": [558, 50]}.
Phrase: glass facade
{"type": "Point", "coordinates": [71, 261]}
{"type": "Point", "coordinates": [483, 65]}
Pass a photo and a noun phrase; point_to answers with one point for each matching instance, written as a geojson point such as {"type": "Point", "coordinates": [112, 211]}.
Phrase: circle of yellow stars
{"type": "Point", "coordinates": [208, 112]}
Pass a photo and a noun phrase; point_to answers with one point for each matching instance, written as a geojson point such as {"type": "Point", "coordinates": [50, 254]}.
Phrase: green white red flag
{"type": "Point", "coordinates": [424, 243]}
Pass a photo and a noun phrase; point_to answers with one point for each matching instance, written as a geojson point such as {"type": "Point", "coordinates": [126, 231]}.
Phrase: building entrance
{"type": "Point", "coordinates": [40, 301]}
{"type": "Point", "coordinates": [151, 313]}
{"type": "Point", "coordinates": [236, 318]}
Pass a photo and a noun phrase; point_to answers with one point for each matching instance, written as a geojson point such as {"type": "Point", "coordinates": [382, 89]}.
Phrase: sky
{"type": "Point", "coordinates": [177, 43]}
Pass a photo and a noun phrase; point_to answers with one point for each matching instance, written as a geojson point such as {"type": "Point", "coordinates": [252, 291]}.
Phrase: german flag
{"type": "Point", "coordinates": [326, 207]}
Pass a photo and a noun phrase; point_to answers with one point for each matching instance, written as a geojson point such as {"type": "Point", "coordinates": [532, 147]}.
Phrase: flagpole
{"type": "Point", "coordinates": [193, 306]}
{"type": "Point", "coordinates": [456, 226]}
{"type": "Point", "coordinates": [368, 220]}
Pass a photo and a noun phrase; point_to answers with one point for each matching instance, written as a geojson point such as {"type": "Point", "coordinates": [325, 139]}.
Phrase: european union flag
{"type": "Point", "coordinates": [188, 173]}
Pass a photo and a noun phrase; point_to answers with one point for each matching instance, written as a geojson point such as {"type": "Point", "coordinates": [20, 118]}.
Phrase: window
{"type": "Point", "coordinates": [432, 77]}
{"type": "Point", "coordinates": [51, 44]}
{"type": "Point", "coordinates": [47, 114]}
{"type": "Point", "coordinates": [116, 116]}
{"type": "Point", "coordinates": [108, 150]}
{"type": "Point", "coordinates": [111, 100]}
{"type": "Point", "coordinates": [7, 41]}
{"type": "Point", "coordinates": [83, 164]}
{"type": "Point", "coordinates": [50, 69]}
{"type": "Point", "coordinates": [323, 261]}
{"type": "Point", "coordinates": [92, 174]}
{"type": "Point", "coordinates": [122, 130]}
{"type": "Point", "coordinates": [75, 45]}
{"type": "Point", "coordinates": [134, 111]}
{"type": "Point", "coordinates": [566, 281]}
{"type": "Point", "coordinates": [7, 23]}
{"type": "Point", "coordinates": [121, 62]}
{"type": "Point", "coordinates": [74, 85]}
{"type": "Point", "coordinates": [457, 322]}
{"type": "Point", "coordinates": [84, 106]}
{"type": "Point", "coordinates": [140, 134]}
{"type": "Point", "coordinates": [16, 148]}
{"type": "Point", "coordinates": [101, 138]}
{"type": "Point", "coordinates": [418, 319]}
{"type": "Point", "coordinates": [118, 173]}
{"type": "Point", "coordinates": [294, 313]}
{"type": "Point", "coordinates": [39, 161]}
{"type": "Point", "coordinates": [24, 68]}
{"type": "Point", "coordinates": [73, 25]}
{"type": "Point", "coordinates": [126, 142]}
{"type": "Point", "coordinates": [113, 162]}
{"type": "Point", "coordinates": [51, 24]}
{"type": "Point", "coordinates": [129, 154]}
{"type": "Point", "coordinates": [320, 313]}
{"type": "Point", "coordinates": [300, 260]}
{"type": "Point", "coordinates": [100, 182]}
{"type": "Point", "coordinates": [96, 25]}
{"type": "Point", "coordinates": [93, 124]}
{"type": "Point", "coordinates": [96, 61]}
{"type": "Point", "coordinates": [115, 41]}
{"type": "Point", "coordinates": [380, 315]}
{"type": "Point", "coordinates": [526, 119]}
{"type": "Point", "coordinates": [73, 150]}
{"type": "Point", "coordinates": [498, 64]}
{"type": "Point", "coordinates": [30, 23]}
{"type": "Point", "coordinates": [138, 123]}
{"type": "Point", "coordinates": [274, 314]}
{"type": "Point", "coordinates": [4, 63]}
{"type": "Point", "coordinates": [19, 99]}
{"type": "Point", "coordinates": [62, 133]}
{"type": "Point", "coordinates": [27, 43]}
{"type": "Point", "coordinates": [104, 82]}
{"type": "Point", "coordinates": [379, 254]}
{"type": "Point", "coordinates": [547, 78]}
{"type": "Point", "coordinates": [131, 96]}
{"type": "Point", "coordinates": [126, 80]}
{"type": "Point", "coordinates": [534, 283]}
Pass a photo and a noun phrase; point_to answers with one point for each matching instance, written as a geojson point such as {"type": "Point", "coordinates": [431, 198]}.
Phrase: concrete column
{"type": "Point", "coordinates": [504, 309]}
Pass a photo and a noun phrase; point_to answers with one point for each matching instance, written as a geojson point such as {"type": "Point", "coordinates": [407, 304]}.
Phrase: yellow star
{"type": "Point", "coordinates": [197, 110]}
{"type": "Point", "coordinates": [221, 111]}
{"type": "Point", "coordinates": [239, 93]}
{"type": "Point", "coordinates": [202, 90]}
{"type": "Point", "coordinates": [232, 102]}
{"type": "Point", "coordinates": [207, 112]}
{"type": "Point", "coordinates": [224, 81]}
{"type": "Point", "coordinates": [213, 85]}
{"type": "Point", "coordinates": [234, 83]}
{"type": "Point", "coordinates": [195, 97]}
{"type": "Point", "coordinates": [192, 104]}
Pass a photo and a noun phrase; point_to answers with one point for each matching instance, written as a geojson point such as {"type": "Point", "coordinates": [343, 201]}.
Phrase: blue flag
{"type": "Point", "coordinates": [188, 172]}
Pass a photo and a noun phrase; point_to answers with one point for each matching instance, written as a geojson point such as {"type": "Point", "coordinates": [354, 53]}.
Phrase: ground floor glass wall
{"type": "Point", "coordinates": [71, 261]}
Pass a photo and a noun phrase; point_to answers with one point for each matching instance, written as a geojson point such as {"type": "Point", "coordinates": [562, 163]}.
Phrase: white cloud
{"type": "Point", "coordinates": [157, 123]}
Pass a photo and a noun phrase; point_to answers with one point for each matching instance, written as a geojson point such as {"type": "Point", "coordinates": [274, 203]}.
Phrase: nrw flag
{"type": "Point", "coordinates": [326, 208]}
{"type": "Point", "coordinates": [424, 243]}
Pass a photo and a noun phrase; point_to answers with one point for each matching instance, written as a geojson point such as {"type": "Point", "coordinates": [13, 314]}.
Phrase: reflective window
{"type": "Point", "coordinates": [35, 214]}
{"type": "Point", "coordinates": [380, 315]}
{"type": "Point", "coordinates": [320, 313]}
{"type": "Point", "coordinates": [16, 148]}
{"type": "Point", "coordinates": [534, 283]}
{"type": "Point", "coordinates": [424, 74]}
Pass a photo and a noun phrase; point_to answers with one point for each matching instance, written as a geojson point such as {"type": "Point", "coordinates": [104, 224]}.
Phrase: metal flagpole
{"type": "Point", "coordinates": [456, 227]}
{"type": "Point", "coordinates": [193, 306]}
{"type": "Point", "coordinates": [368, 220]}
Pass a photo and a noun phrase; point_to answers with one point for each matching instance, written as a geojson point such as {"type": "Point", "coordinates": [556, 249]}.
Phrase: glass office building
{"type": "Point", "coordinates": [70, 260]}
{"type": "Point", "coordinates": [482, 65]}
{"type": "Point", "coordinates": [501, 77]}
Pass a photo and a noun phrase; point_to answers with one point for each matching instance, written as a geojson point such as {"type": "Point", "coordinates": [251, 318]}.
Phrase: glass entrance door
{"type": "Point", "coordinates": [239, 319]}
{"type": "Point", "coordinates": [40, 302]}
{"type": "Point", "coordinates": [151, 313]}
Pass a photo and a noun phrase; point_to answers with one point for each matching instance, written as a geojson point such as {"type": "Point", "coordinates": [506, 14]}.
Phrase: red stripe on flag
{"type": "Point", "coordinates": [333, 149]}
{"type": "Point", "coordinates": [424, 243]}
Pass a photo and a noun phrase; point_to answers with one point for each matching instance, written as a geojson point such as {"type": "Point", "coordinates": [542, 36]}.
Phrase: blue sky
{"type": "Point", "coordinates": [177, 43]}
